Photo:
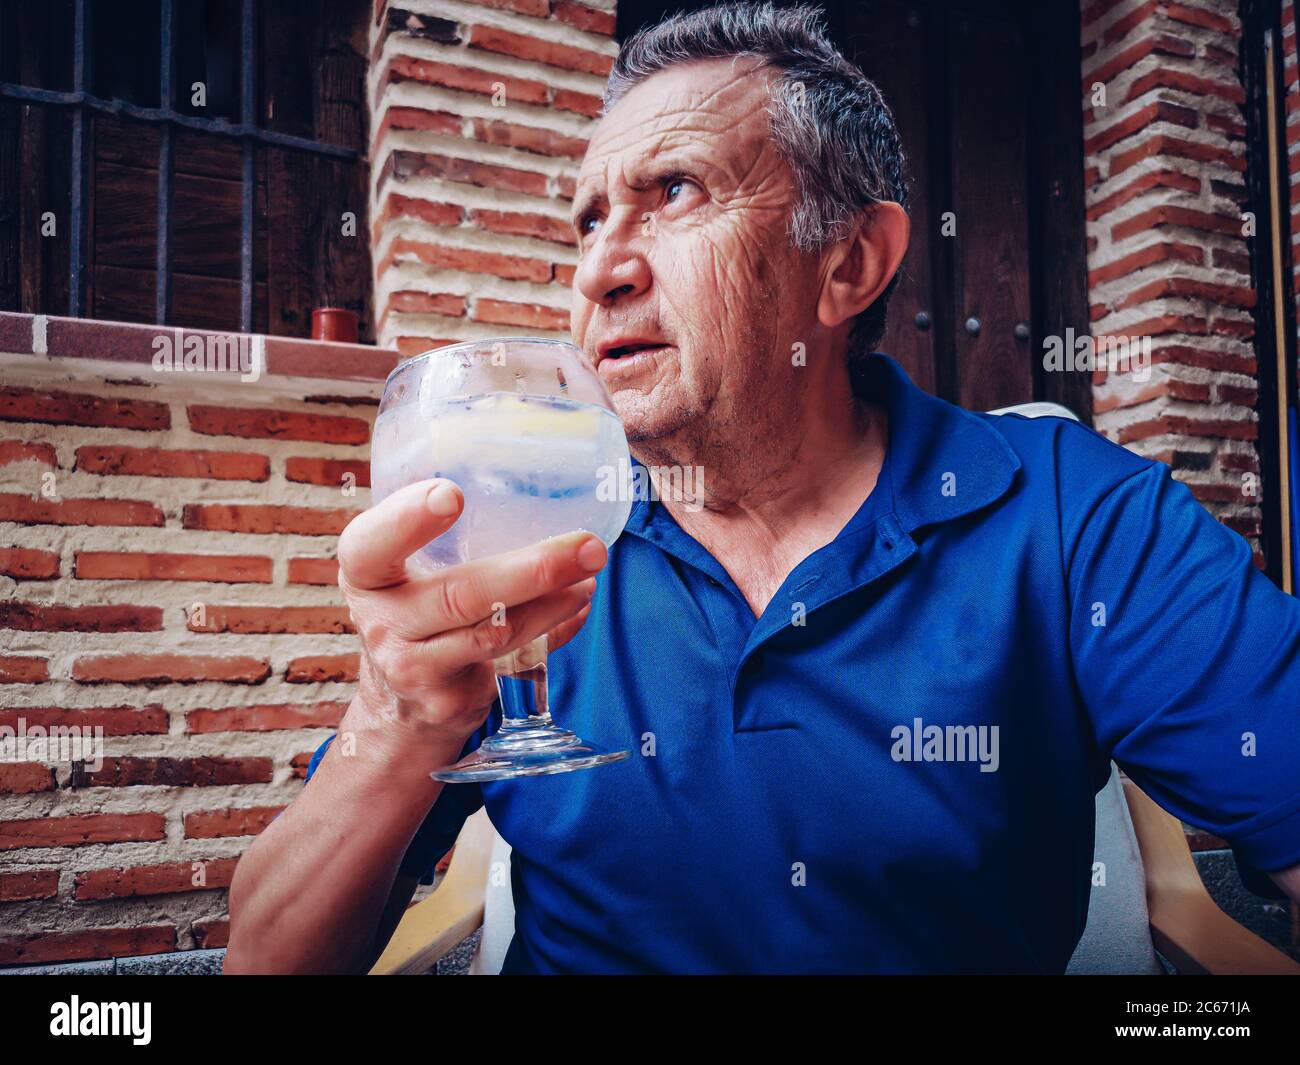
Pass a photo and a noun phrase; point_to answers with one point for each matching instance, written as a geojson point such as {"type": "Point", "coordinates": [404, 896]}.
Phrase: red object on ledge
{"type": "Point", "coordinates": [335, 323]}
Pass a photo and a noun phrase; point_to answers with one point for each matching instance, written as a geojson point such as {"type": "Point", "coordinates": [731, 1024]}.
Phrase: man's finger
{"type": "Point", "coordinates": [466, 593]}
{"type": "Point", "coordinates": [375, 545]}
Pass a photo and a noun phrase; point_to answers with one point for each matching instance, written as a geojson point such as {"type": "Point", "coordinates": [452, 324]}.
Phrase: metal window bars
{"type": "Point", "coordinates": [247, 132]}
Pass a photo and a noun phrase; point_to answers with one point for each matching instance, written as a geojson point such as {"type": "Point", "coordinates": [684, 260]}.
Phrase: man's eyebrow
{"type": "Point", "coordinates": [646, 173]}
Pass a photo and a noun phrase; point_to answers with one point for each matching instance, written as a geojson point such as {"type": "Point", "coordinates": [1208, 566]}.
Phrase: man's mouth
{"type": "Point", "coordinates": [627, 350]}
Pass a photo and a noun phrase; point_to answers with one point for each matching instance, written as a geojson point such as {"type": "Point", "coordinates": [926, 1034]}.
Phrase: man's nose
{"type": "Point", "coordinates": [614, 266]}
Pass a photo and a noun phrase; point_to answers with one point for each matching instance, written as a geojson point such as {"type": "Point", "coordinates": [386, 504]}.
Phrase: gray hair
{"type": "Point", "coordinates": [828, 120]}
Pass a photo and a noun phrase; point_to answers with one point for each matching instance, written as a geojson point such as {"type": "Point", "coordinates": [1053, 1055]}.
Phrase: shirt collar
{"type": "Point", "coordinates": [944, 462]}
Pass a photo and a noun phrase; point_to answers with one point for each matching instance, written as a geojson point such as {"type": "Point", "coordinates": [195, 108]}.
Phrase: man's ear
{"type": "Point", "coordinates": [860, 267]}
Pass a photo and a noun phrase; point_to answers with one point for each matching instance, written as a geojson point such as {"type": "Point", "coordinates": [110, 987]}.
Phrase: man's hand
{"type": "Point", "coordinates": [319, 890]}
{"type": "Point", "coordinates": [430, 635]}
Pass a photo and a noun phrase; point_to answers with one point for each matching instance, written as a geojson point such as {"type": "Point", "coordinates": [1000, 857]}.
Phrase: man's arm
{"type": "Point", "coordinates": [318, 889]}
{"type": "Point", "coordinates": [1187, 658]}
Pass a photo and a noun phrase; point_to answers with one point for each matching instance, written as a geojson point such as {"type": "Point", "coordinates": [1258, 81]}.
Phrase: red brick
{"type": "Point", "coordinates": [150, 720]}
{"type": "Point", "coordinates": [151, 462]}
{"type": "Point", "coordinates": [563, 273]}
{"type": "Point", "coordinates": [1186, 355]}
{"type": "Point", "coordinates": [1178, 424]}
{"type": "Point", "coordinates": [1158, 44]}
{"type": "Point", "coordinates": [25, 778]}
{"type": "Point", "coordinates": [305, 570]}
{"type": "Point", "coordinates": [1125, 23]}
{"type": "Point", "coordinates": [266, 718]}
{"type": "Point", "coordinates": [232, 821]}
{"type": "Point", "coordinates": [315, 669]}
{"type": "Point", "coordinates": [278, 425]}
{"type": "Point", "coordinates": [169, 669]}
{"type": "Point", "coordinates": [1169, 215]}
{"type": "Point", "coordinates": [1168, 387]}
{"type": "Point", "coordinates": [81, 829]}
{"type": "Point", "coordinates": [1163, 144]}
{"type": "Point", "coordinates": [509, 267]}
{"type": "Point", "coordinates": [299, 762]}
{"type": "Point", "coordinates": [1189, 288]}
{"type": "Point", "coordinates": [583, 17]}
{"type": "Point", "coordinates": [529, 138]}
{"type": "Point", "coordinates": [525, 224]}
{"type": "Point", "coordinates": [42, 617]}
{"type": "Point", "coordinates": [36, 884]}
{"type": "Point", "coordinates": [565, 186]}
{"type": "Point", "coordinates": [260, 518]}
{"type": "Point", "coordinates": [1207, 492]}
{"type": "Point", "coordinates": [42, 511]}
{"type": "Point", "coordinates": [145, 566]}
{"type": "Point", "coordinates": [16, 333]}
{"type": "Point", "coordinates": [1243, 397]}
{"type": "Point", "coordinates": [505, 42]}
{"type": "Point", "coordinates": [275, 619]}
{"type": "Point", "coordinates": [1195, 16]}
{"type": "Point", "coordinates": [141, 880]}
{"type": "Point", "coordinates": [296, 357]}
{"type": "Point", "coordinates": [529, 315]}
{"type": "Point", "coordinates": [327, 471]}
{"type": "Point", "coordinates": [406, 164]}
{"type": "Point", "coordinates": [28, 564]}
{"type": "Point", "coordinates": [1164, 179]}
{"type": "Point", "coordinates": [1157, 111]}
{"type": "Point", "coordinates": [19, 669]}
{"type": "Point", "coordinates": [417, 118]}
{"type": "Point", "coordinates": [214, 933]}
{"type": "Point", "coordinates": [201, 772]}
{"type": "Point", "coordinates": [70, 408]}
{"type": "Point", "coordinates": [12, 451]}
{"type": "Point", "coordinates": [580, 102]}
{"type": "Point", "coordinates": [35, 948]}
{"type": "Point", "coordinates": [466, 79]}
{"type": "Point", "coordinates": [426, 303]}
{"type": "Point", "coordinates": [435, 213]}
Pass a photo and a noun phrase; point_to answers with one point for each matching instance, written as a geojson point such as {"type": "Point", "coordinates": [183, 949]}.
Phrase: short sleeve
{"type": "Point", "coordinates": [437, 833]}
{"type": "Point", "coordinates": [1187, 659]}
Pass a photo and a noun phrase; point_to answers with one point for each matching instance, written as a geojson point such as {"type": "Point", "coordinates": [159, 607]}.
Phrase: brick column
{"type": "Point", "coordinates": [1168, 258]}
{"type": "Point", "coordinates": [481, 113]}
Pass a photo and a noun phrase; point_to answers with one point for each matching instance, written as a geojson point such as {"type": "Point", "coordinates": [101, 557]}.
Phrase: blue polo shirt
{"type": "Point", "coordinates": [893, 768]}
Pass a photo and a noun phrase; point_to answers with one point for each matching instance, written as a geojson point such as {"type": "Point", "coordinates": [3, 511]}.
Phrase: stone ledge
{"type": "Point", "coordinates": [135, 346]}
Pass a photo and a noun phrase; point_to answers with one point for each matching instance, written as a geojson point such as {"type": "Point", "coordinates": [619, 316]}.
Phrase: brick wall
{"type": "Point", "coordinates": [1167, 255]}
{"type": "Point", "coordinates": [1291, 76]}
{"type": "Point", "coordinates": [166, 572]}
{"type": "Point", "coordinates": [481, 113]}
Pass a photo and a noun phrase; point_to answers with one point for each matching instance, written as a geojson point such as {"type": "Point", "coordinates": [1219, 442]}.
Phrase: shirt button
{"type": "Point", "coordinates": [715, 582]}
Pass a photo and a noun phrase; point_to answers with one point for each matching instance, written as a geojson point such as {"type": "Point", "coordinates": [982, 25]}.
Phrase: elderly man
{"type": "Point", "coordinates": [872, 570]}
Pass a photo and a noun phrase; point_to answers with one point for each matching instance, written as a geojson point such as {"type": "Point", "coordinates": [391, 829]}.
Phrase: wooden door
{"type": "Point", "coordinates": [986, 98]}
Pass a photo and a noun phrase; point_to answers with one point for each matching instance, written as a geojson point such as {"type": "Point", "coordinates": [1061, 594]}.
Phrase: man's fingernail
{"type": "Point", "coordinates": [591, 555]}
{"type": "Point", "coordinates": [442, 501]}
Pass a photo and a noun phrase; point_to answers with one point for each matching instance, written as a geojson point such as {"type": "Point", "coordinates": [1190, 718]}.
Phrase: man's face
{"type": "Point", "coordinates": [682, 208]}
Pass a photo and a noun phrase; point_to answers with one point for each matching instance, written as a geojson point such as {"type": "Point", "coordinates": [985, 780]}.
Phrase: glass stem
{"type": "Point", "coordinates": [521, 683]}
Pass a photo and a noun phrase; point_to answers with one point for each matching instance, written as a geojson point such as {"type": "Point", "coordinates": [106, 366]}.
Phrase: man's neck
{"type": "Point", "coordinates": [785, 493]}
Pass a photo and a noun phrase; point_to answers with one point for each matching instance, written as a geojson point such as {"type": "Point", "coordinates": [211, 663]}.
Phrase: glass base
{"type": "Point", "coordinates": [526, 749]}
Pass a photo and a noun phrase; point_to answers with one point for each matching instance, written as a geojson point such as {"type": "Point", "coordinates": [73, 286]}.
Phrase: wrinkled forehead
{"type": "Point", "coordinates": [715, 104]}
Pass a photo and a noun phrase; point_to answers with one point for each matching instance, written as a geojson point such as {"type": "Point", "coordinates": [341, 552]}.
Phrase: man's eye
{"type": "Point", "coordinates": [676, 183]}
